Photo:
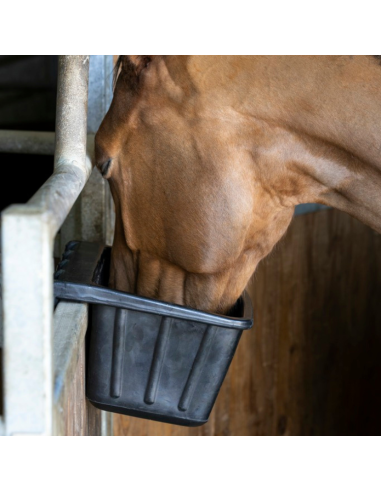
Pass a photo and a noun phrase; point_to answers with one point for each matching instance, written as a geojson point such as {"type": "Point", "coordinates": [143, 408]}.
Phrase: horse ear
{"type": "Point", "coordinates": [129, 67]}
{"type": "Point", "coordinates": [140, 62]}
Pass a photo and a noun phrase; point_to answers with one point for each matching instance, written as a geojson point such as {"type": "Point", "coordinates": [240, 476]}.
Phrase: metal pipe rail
{"type": "Point", "coordinates": [28, 233]}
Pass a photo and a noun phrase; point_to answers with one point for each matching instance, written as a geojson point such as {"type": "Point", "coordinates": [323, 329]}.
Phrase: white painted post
{"type": "Point", "coordinates": [27, 300]}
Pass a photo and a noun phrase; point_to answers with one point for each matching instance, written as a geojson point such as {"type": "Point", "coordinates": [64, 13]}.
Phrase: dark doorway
{"type": "Point", "coordinates": [28, 88]}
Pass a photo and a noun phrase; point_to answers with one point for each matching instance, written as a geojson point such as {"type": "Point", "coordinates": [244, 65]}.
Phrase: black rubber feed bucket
{"type": "Point", "coordinates": [147, 358]}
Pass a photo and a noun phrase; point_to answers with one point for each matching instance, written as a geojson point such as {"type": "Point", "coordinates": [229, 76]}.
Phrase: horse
{"type": "Point", "coordinates": [207, 157]}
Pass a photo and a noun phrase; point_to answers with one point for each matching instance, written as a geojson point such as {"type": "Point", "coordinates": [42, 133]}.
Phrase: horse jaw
{"type": "Point", "coordinates": [142, 274]}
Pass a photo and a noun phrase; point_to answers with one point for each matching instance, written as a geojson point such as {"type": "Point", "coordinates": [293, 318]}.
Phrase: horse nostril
{"type": "Point", "coordinates": [105, 167]}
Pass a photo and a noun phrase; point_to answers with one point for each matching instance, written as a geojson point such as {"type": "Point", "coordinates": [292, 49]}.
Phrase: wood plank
{"type": "Point", "coordinates": [311, 364]}
{"type": "Point", "coordinates": [1, 385]}
{"type": "Point", "coordinates": [78, 416]}
{"type": "Point", "coordinates": [73, 414]}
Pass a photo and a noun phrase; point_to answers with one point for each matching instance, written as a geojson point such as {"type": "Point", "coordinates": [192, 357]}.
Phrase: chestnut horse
{"type": "Point", "coordinates": [207, 157]}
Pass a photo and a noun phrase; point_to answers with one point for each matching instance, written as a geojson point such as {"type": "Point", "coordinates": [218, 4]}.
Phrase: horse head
{"type": "Point", "coordinates": [204, 172]}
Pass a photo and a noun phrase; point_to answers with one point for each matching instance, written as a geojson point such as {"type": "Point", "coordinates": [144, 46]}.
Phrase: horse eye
{"type": "Point", "coordinates": [105, 168]}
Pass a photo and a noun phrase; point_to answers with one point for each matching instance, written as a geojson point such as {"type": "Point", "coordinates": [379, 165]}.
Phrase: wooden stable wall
{"type": "Point", "coordinates": [80, 417]}
{"type": "Point", "coordinates": [311, 364]}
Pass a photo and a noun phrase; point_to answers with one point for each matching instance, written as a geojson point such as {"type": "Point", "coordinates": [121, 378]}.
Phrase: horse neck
{"type": "Point", "coordinates": [331, 112]}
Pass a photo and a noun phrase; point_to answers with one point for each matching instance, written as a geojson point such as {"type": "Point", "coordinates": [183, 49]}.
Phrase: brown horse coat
{"type": "Point", "coordinates": [207, 157]}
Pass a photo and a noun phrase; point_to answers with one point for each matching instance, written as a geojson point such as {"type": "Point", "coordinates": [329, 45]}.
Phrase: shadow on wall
{"type": "Point", "coordinates": [317, 366]}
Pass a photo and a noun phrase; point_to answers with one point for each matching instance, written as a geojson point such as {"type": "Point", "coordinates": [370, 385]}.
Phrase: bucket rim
{"type": "Point", "coordinates": [94, 294]}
